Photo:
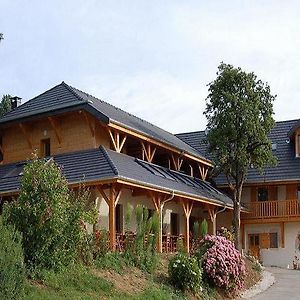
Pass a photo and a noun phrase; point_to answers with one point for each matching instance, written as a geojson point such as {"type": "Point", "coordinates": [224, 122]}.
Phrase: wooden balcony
{"type": "Point", "coordinates": [273, 209]}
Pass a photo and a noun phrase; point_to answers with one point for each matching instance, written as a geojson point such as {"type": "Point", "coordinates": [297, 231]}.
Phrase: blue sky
{"type": "Point", "coordinates": [151, 58]}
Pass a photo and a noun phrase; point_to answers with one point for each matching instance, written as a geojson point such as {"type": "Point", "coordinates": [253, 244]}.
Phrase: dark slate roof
{"type": "Point", "coordinates": [197, 140]}
{"type": "Point", "coordinates": [65, 97]}
{"type": "Point", "coordinates": [103, 164]}
{"type": "Point", "coordinates": [288, 166]}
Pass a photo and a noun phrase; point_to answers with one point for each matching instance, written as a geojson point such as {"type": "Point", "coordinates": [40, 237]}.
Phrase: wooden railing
{"type": "Point", "coordinates": [273, 209]}
{"type": "Point", "coordinates": [169, 242]}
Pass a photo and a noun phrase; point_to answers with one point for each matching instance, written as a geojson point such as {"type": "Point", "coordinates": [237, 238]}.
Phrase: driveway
{"type": "Point", "coordinates": [286, 286]}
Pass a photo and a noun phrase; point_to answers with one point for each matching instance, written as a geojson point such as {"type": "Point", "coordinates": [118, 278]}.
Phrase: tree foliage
{"type": "Point", "coordinates": [5, 105]}
{"type": "Point", "coordinates": [239, 111]}
{"type": "Point", "coordinates": [12, 270]}
{"type": "Point", "coordinates": [48, 216]}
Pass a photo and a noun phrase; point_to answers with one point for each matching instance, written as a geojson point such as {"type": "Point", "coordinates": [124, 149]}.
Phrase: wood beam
{"type": "Point", "coordinates": [148, 152]}
{"type": "Point", "coordinates": [26, 134]}
{"type": "Point", "coordinates": [56, 128]}
{"type": "Point", "coordinates": [118, 142]}
{"type": "Point", "coordinates": [160, 144]}
{"type": "Point", "coordinates": [187, 208]}
{"type": "Point", "coordinates": [112, 199]}
{"type": "Point", "coordinates": [203, 172]}
{"type": "Point", "coordinates": [177, 162]}
{"type": "Point", "coordinates": [191, 171]}
{"type": "Point", "coordinates": [212, 212]}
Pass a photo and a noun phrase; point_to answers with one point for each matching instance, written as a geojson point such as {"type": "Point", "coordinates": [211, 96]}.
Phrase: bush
{"type": "Point", "coordinates": [184, 272]}
{"type": "Point", "coordinates": [12, 271]}
{"type": "Point", "coordinates": [141, 252]}
{"type": "Point", "coordinates": [49, 217]}
{"type": "Point", "coordinates": [222, 264]}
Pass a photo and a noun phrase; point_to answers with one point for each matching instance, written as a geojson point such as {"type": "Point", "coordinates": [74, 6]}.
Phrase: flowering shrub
{"type": "Point", "coordinates": [185, 272]}
{"type": "Point", "coordinates": [222, 264]}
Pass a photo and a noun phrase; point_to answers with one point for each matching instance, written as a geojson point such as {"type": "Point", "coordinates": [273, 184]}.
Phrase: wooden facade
{"type": "Point", "coordinates": [79, 130]}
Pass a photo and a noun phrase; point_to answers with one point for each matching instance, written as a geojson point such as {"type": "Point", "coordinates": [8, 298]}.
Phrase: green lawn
{"type": "Point", "coordinates": [82, 283]}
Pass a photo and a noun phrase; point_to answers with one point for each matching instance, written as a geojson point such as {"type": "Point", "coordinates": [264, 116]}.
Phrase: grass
{"type": "Point", "coordinates": [82, 283]}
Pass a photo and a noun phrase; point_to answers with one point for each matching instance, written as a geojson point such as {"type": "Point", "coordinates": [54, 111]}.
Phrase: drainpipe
{"type": "Point", "coordinates": [161, 218]}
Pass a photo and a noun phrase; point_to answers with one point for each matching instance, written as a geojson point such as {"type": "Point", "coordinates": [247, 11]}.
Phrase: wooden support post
{"type": "Point", "coordinates": [203, 172]}
{"type": "Point", "coordinates": [187, 208]}
{"type": "Point", "coordinates": [213, 218]}
{"type": "Point", "coordinates": [112, 200]}
{"type": "Point", "coordinates": [148, 152]}
{"type": "Point", "coordinates": [25, 132]}
{"type": "Point", "coordinates": [191, 171]}
{"type": "Point", "coordinates": [177, 162]}
{"type": "Point", "coordinates": [55, 126]}
{"type": "Point", "coordinates": [117, 141]}
{"type": "Point", "coordinates": [282, 234]}
{"type": "Point", "coordinates": [159, 201]}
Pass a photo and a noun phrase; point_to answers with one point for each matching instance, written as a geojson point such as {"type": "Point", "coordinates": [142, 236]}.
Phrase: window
{"type": "Point", "coordinates": [274, 240]}
{"type": "Point", "coordinates": [298, 193]}
{"type": "Point", "coordinates": [262, 194]}
{"type": "Point", "coordinates": [119, 218]}
{"type": "Point", "coordinates": [174, 224]}
{"type": "Point", "coordinates": [150, 213]}
{"type": "Point", "coordinates": [45, 148]}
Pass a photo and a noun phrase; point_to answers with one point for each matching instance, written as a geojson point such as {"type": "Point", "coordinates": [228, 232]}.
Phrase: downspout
{"type": "Point", "coordinates": [161, 217]}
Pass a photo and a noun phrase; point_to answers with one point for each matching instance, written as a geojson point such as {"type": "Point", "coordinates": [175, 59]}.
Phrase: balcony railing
{"type": "Point", "coordinates": [274, 209]}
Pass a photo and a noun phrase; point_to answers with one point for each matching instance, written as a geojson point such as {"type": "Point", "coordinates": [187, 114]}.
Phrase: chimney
{"type": "Point", "coordinates": [15, 102]}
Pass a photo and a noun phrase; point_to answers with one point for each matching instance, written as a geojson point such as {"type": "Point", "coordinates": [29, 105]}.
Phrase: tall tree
{"type": "Point", "coordinates": [5, 105]}
{"type": "Point", "coordinates": [239, 111]}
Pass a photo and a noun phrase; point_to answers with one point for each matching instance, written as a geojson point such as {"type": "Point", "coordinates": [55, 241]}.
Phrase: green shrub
{"type": "Point", "coordinates": [12, 270]}
{"type": "Point", "coordinates": [49, 217]}
{"type": "Point", "coordinates": [185, 273]}
{"type": "Point", "coordinates": [204, 228]}
{"type": "Point", "coordinates": [141, 252]}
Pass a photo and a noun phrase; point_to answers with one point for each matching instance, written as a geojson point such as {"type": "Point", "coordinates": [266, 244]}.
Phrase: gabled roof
{"type": "Point", "coordinates": [288, 165]}
{"type": "Point", "coordinates": [64, 98]}
{"type": "Point", "coordinates": [101, 164]}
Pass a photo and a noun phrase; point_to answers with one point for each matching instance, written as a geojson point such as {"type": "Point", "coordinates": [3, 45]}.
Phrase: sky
{"type": "Point", "coordinates": [151, 58]}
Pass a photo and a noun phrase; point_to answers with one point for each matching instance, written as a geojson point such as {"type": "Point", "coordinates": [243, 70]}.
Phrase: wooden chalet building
{"type": "Point", "coordinates": [271, 231]}
{"type": "Point", "coordinates": [122, 158]}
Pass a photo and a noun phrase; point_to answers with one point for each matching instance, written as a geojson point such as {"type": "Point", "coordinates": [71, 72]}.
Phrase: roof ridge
{"type": "Point", "coordinates": [70, 89]}
{"type": "Point", "coordinates": [189, 132]}
{"type": "Point", "coordinates": [110, 161]}
{"type": "Point", "coordinates": [25, 103]}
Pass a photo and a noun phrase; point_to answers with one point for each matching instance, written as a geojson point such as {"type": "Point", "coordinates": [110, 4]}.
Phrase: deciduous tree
{"type": "Point", "coordinates": [239, 111]}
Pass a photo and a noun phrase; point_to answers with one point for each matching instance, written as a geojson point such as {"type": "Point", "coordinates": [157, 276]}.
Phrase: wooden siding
{"type": "Point", "coordinates": [71, 132]}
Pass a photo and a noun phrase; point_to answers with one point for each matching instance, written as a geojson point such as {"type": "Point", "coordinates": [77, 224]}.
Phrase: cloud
{"type": "Point", "coordinates": [157, 97]}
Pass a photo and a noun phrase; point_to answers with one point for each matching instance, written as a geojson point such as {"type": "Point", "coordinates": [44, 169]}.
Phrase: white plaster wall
{"type": "Point", "coordinates": [223, 219]}
{"type": "Point", "coordinates": [280, 257]}
{"type": "Point", "coordinates": [127, 198]}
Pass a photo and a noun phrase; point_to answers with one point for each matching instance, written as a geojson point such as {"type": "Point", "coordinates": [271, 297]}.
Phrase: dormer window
{"type": "Point", "coordinates": [45, 148]}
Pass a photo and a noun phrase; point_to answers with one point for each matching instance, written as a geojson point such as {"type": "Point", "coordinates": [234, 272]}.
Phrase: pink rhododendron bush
{"type": "Point", "coordinates": [222, 263]}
